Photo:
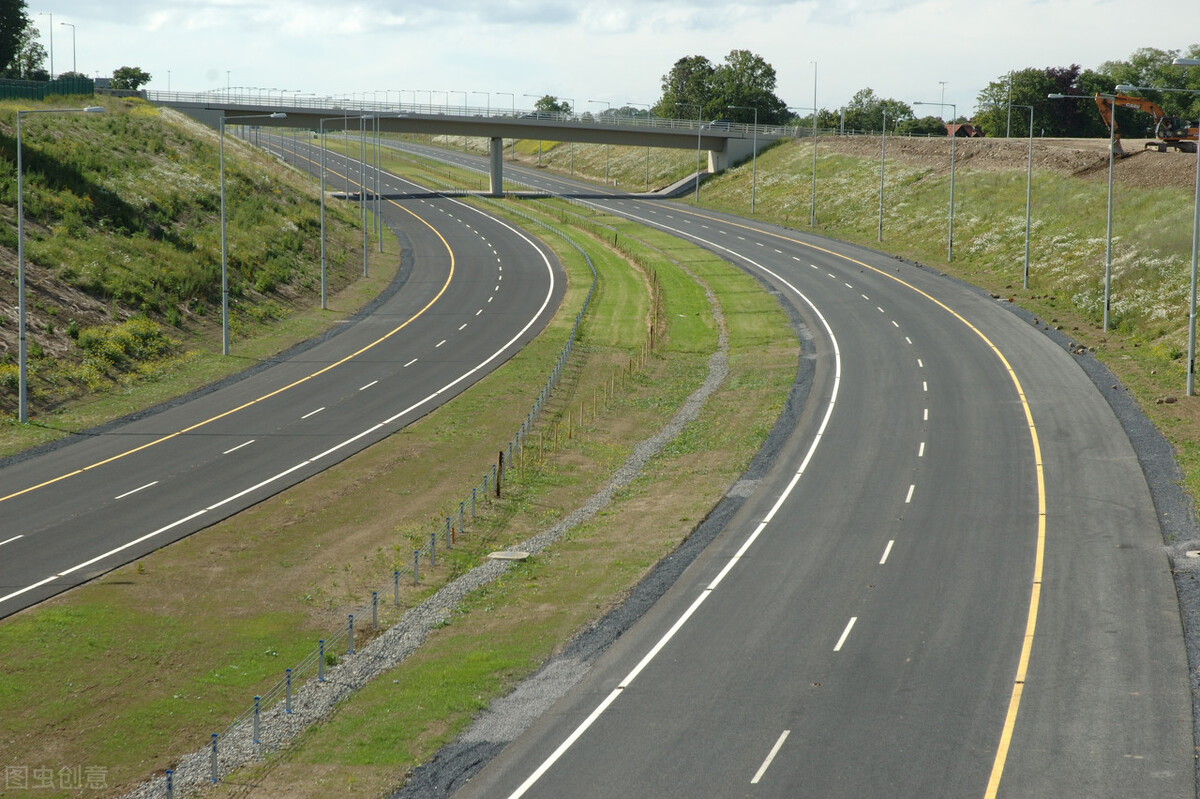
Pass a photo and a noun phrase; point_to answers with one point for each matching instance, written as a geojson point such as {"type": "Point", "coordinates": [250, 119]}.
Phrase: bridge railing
{"type": "Point", "coordinates": [294, 100]}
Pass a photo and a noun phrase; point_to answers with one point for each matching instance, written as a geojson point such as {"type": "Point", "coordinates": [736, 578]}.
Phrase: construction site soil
{"type": "Point", "coordinates": [1087, 158]}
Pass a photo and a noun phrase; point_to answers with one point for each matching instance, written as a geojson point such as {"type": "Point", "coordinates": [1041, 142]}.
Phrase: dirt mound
{"type": "Point", "coordinates": [1078, 157]}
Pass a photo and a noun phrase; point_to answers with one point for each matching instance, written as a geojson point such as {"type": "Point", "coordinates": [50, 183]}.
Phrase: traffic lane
{"type": "Point", "coordinates": [1106, 708]}
{"type": "Point", "coordinates": [900, 677]}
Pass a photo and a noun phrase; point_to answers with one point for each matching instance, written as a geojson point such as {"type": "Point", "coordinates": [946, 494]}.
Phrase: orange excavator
{"type": "Point", "coordinates": [1171, 131]}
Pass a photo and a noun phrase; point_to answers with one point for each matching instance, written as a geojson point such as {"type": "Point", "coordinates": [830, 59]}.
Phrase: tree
{"type": "Point", "coordinates": [685, 88]}
{"type": "Point", "coordinates": [129, 78]}
{"type": "Point", "coordinates": [865, 111]}
{"type": "Point", "coordinates": [13, 23]}
{"type": "Point", "coordinates": [549, 104]}
{"type": "Point", "coordinates": [695, 87]}
{"type": "Point", "coordinates": [925, 126]}
{"type": "Point", "coordinates": [29, 62]}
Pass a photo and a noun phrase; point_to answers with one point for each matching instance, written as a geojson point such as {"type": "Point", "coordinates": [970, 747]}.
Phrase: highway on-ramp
{"type": "Point", "coordinates": [951, 582]}
{"type": "Point", "coordinates": [474, 290]}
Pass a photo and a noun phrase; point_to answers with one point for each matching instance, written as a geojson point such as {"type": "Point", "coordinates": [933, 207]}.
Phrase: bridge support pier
{"type": "Point", "coordinates": [497, 167]}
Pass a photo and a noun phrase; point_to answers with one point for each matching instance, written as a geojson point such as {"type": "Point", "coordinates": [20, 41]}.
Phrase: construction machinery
{"type": "Point", "coordinates": [1170, 131]}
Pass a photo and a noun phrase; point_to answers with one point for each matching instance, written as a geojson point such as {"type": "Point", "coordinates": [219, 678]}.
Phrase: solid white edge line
{"type": "Point", "coordinates": [887, 551]}
{"type": "Point", "coordinates": [845, 633]}
{"type": "Point", "coordinates": [134, 491]}
{"type": "Point", "coordinates": [771, 756]}
{"type": "Point", "coordinates": [833, 395]}
{"type": "Point", "coordinates": [239, 446]}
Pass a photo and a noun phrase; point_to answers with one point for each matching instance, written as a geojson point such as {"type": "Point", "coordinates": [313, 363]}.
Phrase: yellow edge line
{"type": "Point", "coordinates": [277, 391]}
{"type": "Point", "coordinates": [1014, 702]}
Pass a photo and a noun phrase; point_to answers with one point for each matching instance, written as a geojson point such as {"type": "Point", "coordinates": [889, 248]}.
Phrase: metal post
{"type": "Point", "coordinates": [362, 189]}
{"type": "Point", "coordinates": [213, 759]}
{"type": "Point", "coordinates": [375, 609]}
{"type": "Point", "coordinates": [416, 566]}
{"type": "Point", "coordinates": [287, 702]}
{"type": "Point", "coordinates": [1191, 364]}
{"type": "Point", "coordinates": [22, 373]}
{"type": "Point", "coordinates": [324, 302]}
{"type": "Point", "coordinates": [321, 660]}
{"type": "Point", "coordinates": [170, 784]}
{"type": "Point", "coordinates": [882, 157]}
{"type": "Point", "coordinates": [396, 587]}
{"type": "Point", "coordinates": [449, 543]}
{"type": "Point", "coordinates": [257, 708]}
{"type": "Point", "coordinates": [433, 549]}
{"type": "Point", "coordinates": [351, 651]}
{"type": "Point", "coordinates": [812, 220]}
{"type": "Point", "coordinates": [1112, 127]}
{"type": "Point", "coordinates": [473, 503]}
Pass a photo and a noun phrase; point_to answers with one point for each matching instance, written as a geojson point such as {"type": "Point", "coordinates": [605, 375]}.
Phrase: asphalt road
{"type": "Point", "coordinates": [472, 290]}
{"type": "Point", "coordinates": [951, 581]}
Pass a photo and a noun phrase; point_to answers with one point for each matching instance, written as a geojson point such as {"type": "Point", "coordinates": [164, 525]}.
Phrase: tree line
{"type": "Point", "coordinates": [24, 58]}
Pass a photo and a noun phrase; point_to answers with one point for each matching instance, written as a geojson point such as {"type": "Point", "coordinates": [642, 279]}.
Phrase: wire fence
{"type": "Point", "coordinates": [342, 640]}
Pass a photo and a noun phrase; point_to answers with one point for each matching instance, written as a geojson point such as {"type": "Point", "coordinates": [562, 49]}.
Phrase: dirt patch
{"type": "Point", "coordinates": [1087, 158]}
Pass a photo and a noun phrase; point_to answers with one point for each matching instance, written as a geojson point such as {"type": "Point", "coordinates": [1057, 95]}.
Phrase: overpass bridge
{"type": "Point", "coordinates": [727, 143]}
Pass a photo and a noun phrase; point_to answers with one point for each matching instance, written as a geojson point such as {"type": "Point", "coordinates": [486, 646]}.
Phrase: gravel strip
{"type": "Point", "coordinates": [314, 701]}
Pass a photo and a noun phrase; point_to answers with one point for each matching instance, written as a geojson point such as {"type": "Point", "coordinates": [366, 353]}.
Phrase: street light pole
{"type": "Point", "coordinates": [224, 244]}
{"type": "Point", "coordinates": [22, 367]}
{"type": "Point", "coordinates": [51, 15]}
{"type": "Point", "coordinates": [812, 219]}
{"type": "Point", "coordinates": [72, 27]}
{"type": "Point", "coordinates": [882, 153]}
{"type": "Point", "coordinates": [1028, 191]}
{"type": "Point", "coordinates": [648, 109]}
{"type": "Point", "coordinates": [754, 154]}
{"type": "Point", "coordinates": [1112, 127]}
{"type": "Point", "coordinates": [953, 138]}
{"type": "Point", "coordinates": [607, 107]}
{"type": "Point", "coordinates": [1191, 362]}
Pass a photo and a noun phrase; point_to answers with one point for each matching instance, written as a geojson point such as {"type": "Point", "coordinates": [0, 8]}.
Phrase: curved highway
{"type": "Point", "coordinates": [950, 583]}
{"type": "Point", "coordinates": [475, 290]}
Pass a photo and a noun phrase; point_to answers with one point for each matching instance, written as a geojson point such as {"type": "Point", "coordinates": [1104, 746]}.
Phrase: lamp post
{"type": "Point", "coordinates": [539, 114]}
{"type": "Point", "coordinates": [648, 109]}
{"type": "Point", "coordinates": [1028, 189]}
{"type": "Point", "coordinates": [22, 369]}
{"type": "Point", "coordinates": [224, 244]}
{"type": "Point", "coordinates": [51, 15]}
{"type": "Point", "coordinates": [699, 128]}
{"type": "Point", "coordinates": [607, 107]}
{"type": "Point", "coordinates": [953, 116]}
{"type": "Point", "coordinates": [754, 155]}
{"type": "Point", "coordinates": [882, 148]}
{"type": "Point", "coordinates": [1112, 128]}
{"type": "Point", "coordinates": [72, 27]}
{"type": "Point", "coordinates": [812, 219]}
{"type": "Point", "coordinates": [1191, 363]}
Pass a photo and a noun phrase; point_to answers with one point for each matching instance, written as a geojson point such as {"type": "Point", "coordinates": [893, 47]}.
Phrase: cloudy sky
{"type": "Point", "coordinates": [604, 50]}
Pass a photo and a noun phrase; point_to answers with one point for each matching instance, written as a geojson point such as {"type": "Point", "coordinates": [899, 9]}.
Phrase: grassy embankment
{"type": "Point", "coordinates": [139, 666]}
{"type": "Point", "coordinates": [123, 262]}
{"type": "Point", "coordinates": [1147, 343]}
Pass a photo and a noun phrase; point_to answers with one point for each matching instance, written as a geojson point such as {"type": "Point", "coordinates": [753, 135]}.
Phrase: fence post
{"type": "Point", "coordinates": [449, 543]}
{"type": "Point", "coordinates": [396, 587]}
{"type": "Point", "coordinates": [433, 549]}
{"type": "Point", "coordinates": [321, 660]}
{"type": "Point", "coordinates": [374, 608]}
{"type": "Point", "coordinates": [473, 503]}
{"type": "Point", "coordinates": [257, 701]}
{"type": "Point", "coordinates": [416, 565]}
{"type": "Point", "coordinates": [214, 758]}
{"type": "Point", "coordinates": [498, 472]}
{"type": "Point", "coordinates": [461, 521]}
{"type": "Point", "coordinates": [287, 701]}
{"type": "Point", "coordinates": [170, 784]}
{"type": "Point", "coordinates": [351, 634]}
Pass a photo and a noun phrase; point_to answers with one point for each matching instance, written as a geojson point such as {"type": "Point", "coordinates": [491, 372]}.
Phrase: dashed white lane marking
{"type": "Point", "coordinates": [895, 324]}
{"type": "Point", "coordinates": [770, 756]}
{"type": "Point", "coordinates": [925, 385]}
{"type": "Point", "coordinates": [368, 385]}
{"type": "Point", "coordinates": [921, 450]}
{"type": "Point", "coordinates": [134, 491]}
{"type": "Point", "coordinates": [477, 313]}
{"type": "Point", "coordinates": [440, 343]}
{"type": "Point", "coordinates": [10, 540]}
{"type": "Point", "coordinates": [909, 340]}
{"type": "Point", "coordinates": [865, 297]}
{"type": "Point", "coordinates": [239, 446]}
{"type": "Point", "coordinates": [313, 413]}
{"type": "Point", "coordinates": [920, 364]}
{"type": "Point", "coordinates": [887, 551]}
{"type": "Point", "coordinates": [927, 414]}
{"type": "Point", "coordinates": [410, 363]}
{"type": "Point", "coordinates": [845, 634]}
{"type": "Point", "coordinates": [911, 489]}
{"type": "Point", "coordinates": [460, 327]}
